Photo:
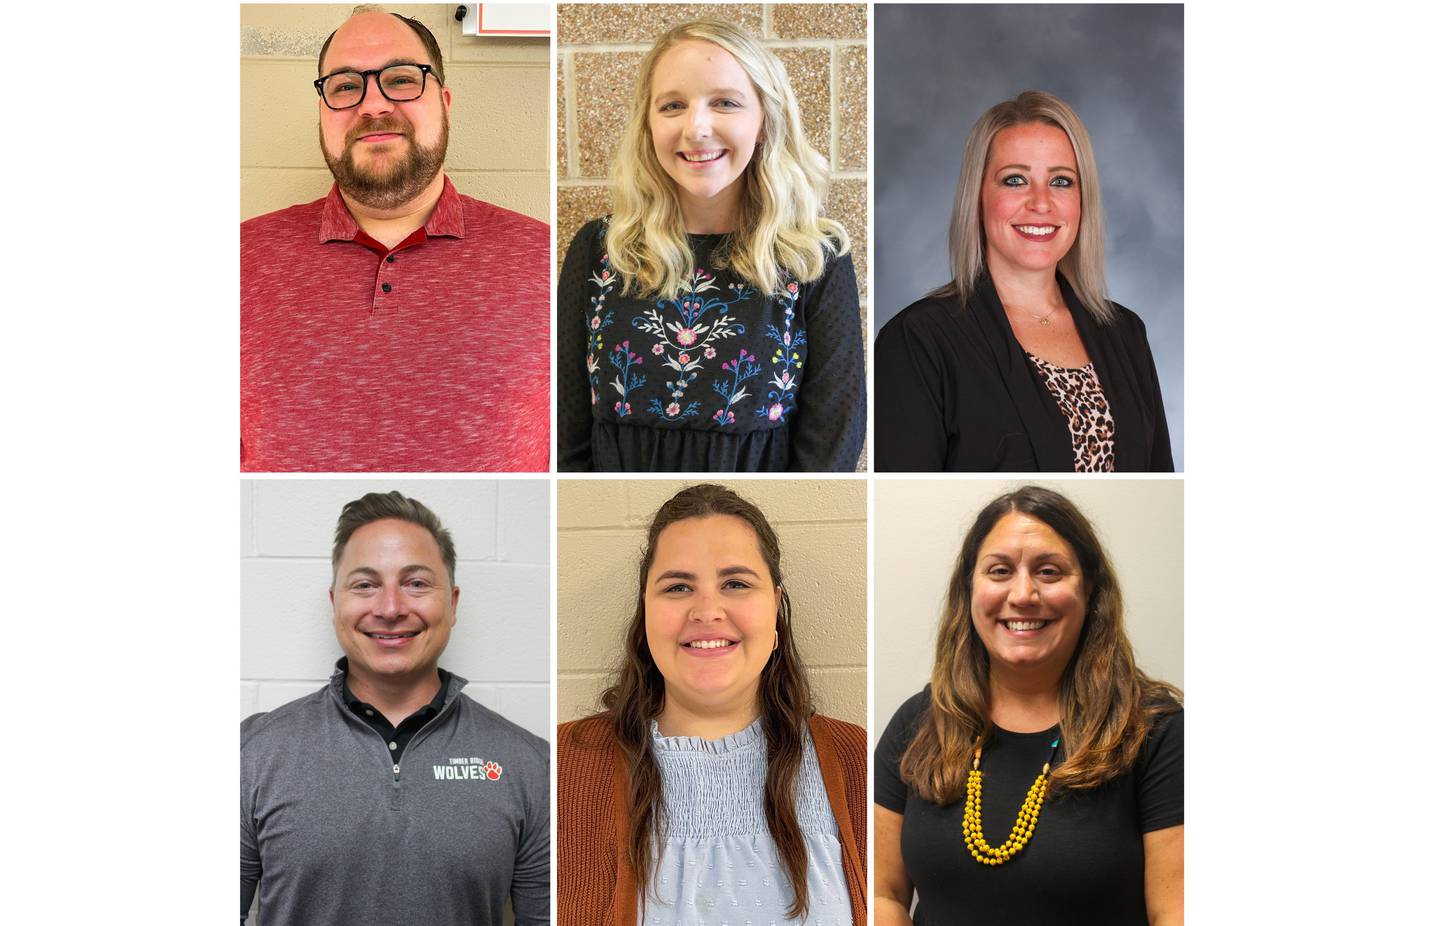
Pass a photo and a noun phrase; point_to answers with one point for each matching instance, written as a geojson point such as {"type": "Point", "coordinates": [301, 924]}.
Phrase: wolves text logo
{"type": "Point", "coordinates": [469, 768]}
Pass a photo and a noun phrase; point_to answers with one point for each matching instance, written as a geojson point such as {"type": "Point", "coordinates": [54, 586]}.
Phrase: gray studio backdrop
{"type": "Point", "coordinates": [938, 67]}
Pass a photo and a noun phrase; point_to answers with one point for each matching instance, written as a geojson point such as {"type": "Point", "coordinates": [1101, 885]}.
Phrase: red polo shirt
{"type": "Point", "coordinates": [432, 356]}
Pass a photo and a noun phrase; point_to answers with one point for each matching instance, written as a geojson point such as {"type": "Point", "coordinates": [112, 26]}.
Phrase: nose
{"type": "Point", "coordinates": [697, 125]}
{"type": "Point", "coordinates": [1040, 197]}
{"type": "Point", "coordinates": [706, 608]}
{"type": "Point", "coordinates": [1023, 590]}
{"type": "Point", "coordinates": [374, 103]}
{"type": "Point", "coordinates": [390, 604]}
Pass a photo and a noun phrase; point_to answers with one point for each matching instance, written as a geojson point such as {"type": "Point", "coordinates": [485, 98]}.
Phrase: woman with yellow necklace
{"type": "Point", "coordinates": [1039, 778]}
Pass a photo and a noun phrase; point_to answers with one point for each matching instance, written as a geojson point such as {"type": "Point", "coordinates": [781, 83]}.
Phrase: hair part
{"type": "Point", "coordinates": [780, 232]}
{"type": "Point", "coordinates": [377, 506]}
{"type": "Point", "coordinates": [1107, 703]}
{"type": "Point", "coordinates": [637, 695]}
{"type": "Point", "coordinates": [427, 38]}
{"type": "Point", "coordinates": [1084, 265]}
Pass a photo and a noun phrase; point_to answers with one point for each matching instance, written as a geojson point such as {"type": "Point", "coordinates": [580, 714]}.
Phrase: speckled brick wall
{"type": "Point", "coordinates": [499, 131]}
{"type": "Point", "coordinates": [823, 47]}
{"type": "Point", "coordinates": [600, 529]}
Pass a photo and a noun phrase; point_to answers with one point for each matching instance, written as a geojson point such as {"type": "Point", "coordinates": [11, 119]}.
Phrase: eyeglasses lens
{"type": "Point", "coordinates": [399, 83]}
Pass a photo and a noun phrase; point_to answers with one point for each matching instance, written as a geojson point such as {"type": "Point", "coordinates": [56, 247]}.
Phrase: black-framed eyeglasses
{"type": "Point", "coordinates": [399, 83]}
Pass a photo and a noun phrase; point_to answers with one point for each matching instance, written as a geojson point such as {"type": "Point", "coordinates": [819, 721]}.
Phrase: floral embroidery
{"type": "Point", "coordinates": [597, 322]}
{"type": "Point", "coordinates": [742, 368]}
{"type": "Point", "coordinates": [622, 359]}
{"type": "Point", "coordinates": [785, 363]}
{"type": "Point", "coordinates": [685, 343]}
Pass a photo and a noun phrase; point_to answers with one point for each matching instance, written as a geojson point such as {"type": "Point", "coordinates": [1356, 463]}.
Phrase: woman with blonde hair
{"type": "Point", "coordinates": [1021, 362]}
{"type": "Point", "coordinates": [709, 790]}
{"type": "Point", "coordinates": [711, 322]}
{"type": "Point", "coordinates": [1039, 778]}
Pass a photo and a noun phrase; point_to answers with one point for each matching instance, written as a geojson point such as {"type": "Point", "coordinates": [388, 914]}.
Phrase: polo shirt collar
{"type": "Point", "coordinates": [446, 219]}
{"type": "Point", "coordinates": [450, 685]}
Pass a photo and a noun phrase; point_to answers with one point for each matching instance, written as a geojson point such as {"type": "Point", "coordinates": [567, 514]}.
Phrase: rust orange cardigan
{"type": "Point", "coordinates": [595, 882]}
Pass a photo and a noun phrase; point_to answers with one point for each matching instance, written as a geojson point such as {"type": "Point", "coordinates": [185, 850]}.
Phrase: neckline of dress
{"type": "Point", "coordinates": [733, 743]}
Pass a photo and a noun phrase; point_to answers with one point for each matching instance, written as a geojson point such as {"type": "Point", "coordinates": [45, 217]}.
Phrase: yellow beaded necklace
{"type": "Point", "coordinates": [1024, 823]}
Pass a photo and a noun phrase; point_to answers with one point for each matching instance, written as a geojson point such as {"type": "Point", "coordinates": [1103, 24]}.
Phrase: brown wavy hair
{"type": "Point", "coordinates": [638, 694]}
{"type": "Point", "coordinates": [1106, 703]}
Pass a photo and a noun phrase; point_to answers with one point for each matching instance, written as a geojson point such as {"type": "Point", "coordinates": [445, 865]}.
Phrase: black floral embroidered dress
{"type": "Point", "coordinates": [720, 379]}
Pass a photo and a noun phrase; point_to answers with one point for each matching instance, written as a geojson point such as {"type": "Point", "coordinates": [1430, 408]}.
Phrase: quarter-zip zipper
{"type": "Point", "coordinates": [395, 766]}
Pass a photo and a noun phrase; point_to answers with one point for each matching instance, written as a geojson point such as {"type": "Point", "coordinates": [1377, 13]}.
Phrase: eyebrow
{"type": "Point", "coordinates": [718, 91]}
{"type": "Point", "coordinates": [722, 573]}
{"type": "Point", "coordinates": [1027, 167]}
{"type": "Point", "coordinates": [354, 70]}
{"type": "Point", "coordinates": [371, 573]}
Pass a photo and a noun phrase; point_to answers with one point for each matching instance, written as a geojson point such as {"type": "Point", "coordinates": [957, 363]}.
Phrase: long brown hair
{"type": "Point", "coordinates": [638, 694]}
{"type": "Point", "coordinates": [1106, 702]}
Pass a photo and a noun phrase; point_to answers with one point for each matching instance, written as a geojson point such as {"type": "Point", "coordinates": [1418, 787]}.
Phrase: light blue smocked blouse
{"type": "Point", "coordinates": [717, 863]}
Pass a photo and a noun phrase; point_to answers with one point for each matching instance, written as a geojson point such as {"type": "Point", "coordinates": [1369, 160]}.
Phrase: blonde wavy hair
{"type": "Point", "coordinates": [780, 234]}
{"type": "Point", "coordinates": [1084, 266]}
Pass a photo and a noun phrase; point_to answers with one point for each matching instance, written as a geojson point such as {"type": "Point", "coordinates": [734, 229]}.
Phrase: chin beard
{"type": "Point", "coordinates": [396, 185]}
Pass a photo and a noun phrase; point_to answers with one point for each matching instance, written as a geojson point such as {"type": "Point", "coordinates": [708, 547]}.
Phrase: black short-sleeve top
{"type": "Point", "coordinates": [1085, 863]}
{"type": "Point", "coordinates": [722, 378]}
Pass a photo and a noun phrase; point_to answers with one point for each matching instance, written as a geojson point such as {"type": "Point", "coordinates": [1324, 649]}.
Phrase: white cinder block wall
{"type": "Point", "coordinates": [919, 526]}
{"type": "Point", "coordinates": [821, 524]}
{"type": "Point", "coordinates": [501, 640]}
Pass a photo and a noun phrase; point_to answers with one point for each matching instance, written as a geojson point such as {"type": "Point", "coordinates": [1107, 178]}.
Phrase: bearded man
{"type": "Point", "coordinates": [394, 325]}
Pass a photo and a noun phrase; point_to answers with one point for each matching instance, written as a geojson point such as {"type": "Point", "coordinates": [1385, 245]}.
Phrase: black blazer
{"type": "Point", "coordinates": [954, 391]}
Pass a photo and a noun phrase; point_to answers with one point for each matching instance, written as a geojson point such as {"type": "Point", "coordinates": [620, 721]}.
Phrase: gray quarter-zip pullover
{"type": "Point", "coordinates": [336, 833]}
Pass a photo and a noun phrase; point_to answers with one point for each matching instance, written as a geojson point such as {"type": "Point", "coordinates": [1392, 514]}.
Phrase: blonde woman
{"type": "Point", "coordinates": [711, 323]}
{"type": "Point", "coordinates": [1020, 362]}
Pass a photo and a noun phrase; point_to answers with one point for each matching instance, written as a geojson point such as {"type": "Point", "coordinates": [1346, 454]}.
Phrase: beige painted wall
{"type": "Point", "coordinates": [919, 526]}
{"type": "Point", "coordinates": [499, 120]}
{"type": "Point", "coordinates": [601, 529]}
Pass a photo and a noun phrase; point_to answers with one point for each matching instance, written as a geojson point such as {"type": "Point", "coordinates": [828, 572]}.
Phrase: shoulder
{"type": "Point", "coordinates": [849, 741]}
{"type": "Point", "coordinates": [846, 736]}
{"type": "Point", "coordinates": [282, 727]}
{"type": "Point", "coordinates": [302, 218]}
{"type": "Point", "coordinates": [587, 735]}
{"type": "Point", "coordinates": [1127, 323]}
{"type": "Point", "coordinates": [490, 727]}
{"type": "Point", "coordinates": [908, 716]}
{"type": "Point", "coordinates": [497, 219]}
{"type": "Point", "coordinates": [1164, 742]}
{"type": "Point", "coordinates": [923, 318]}
{"type": "Point", "coordinates": [590, 236]}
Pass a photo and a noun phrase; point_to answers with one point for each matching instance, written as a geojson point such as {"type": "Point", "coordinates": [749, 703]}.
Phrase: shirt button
{"type": "Point", "coordinates": [389, 258]}
{"type": "Point", "coordinates": [392, 747]}
{"type": "Point", "coordinates": [385, 287]}
{"type": "Point", "coordinates": [369, 713]}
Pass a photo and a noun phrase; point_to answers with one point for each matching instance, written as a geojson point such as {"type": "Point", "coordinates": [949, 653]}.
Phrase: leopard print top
{"type": "Point", "coordinates": [1092, 428]}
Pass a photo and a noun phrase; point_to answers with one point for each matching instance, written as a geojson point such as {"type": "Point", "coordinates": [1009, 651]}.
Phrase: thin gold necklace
{"type": "Point", "coordinates": [1024, 823]}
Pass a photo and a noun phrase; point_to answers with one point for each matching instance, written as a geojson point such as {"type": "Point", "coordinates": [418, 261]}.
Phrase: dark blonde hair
{"type": "Point", "coordinates": [638, 694]}
{"type": "Point", "coordinates": [1084, 266]}
{"type": "Point", "coordinates": [1106, 703]}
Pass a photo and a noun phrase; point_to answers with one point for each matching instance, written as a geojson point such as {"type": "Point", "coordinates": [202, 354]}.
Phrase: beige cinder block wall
{"type": "Point", "coordinates": [499, 121]}
{"type": "Point", "coordinates": [821, 45]}
{"type": "Point", "coordinates": [919, 526]}
{"type": "Point", "coordinates": [821, 524]}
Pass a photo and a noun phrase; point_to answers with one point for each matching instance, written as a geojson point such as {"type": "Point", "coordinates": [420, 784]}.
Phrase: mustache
{"type": "Point", "coordinates": [376, 126]}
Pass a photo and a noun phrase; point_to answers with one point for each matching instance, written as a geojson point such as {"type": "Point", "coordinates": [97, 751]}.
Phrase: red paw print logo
{"type": "Point", "coordinates": [491, 770]}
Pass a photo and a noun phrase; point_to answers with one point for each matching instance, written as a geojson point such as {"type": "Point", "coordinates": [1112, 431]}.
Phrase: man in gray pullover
{"type": "Point", "coordinates": [389, 796]}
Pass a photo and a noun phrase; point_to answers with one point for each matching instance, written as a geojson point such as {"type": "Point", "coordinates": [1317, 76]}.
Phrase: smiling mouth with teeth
{"type": "Point", "coordinates": [700, 157]}
{"type": "Point", "coordinates": [710, 644]}
{"type": "Point", "coordinates": [1037, 229]}
{"type": "Point", "coordinates": [391, 636]}
{"type": "Point", "coordinates": [1024, 625]}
